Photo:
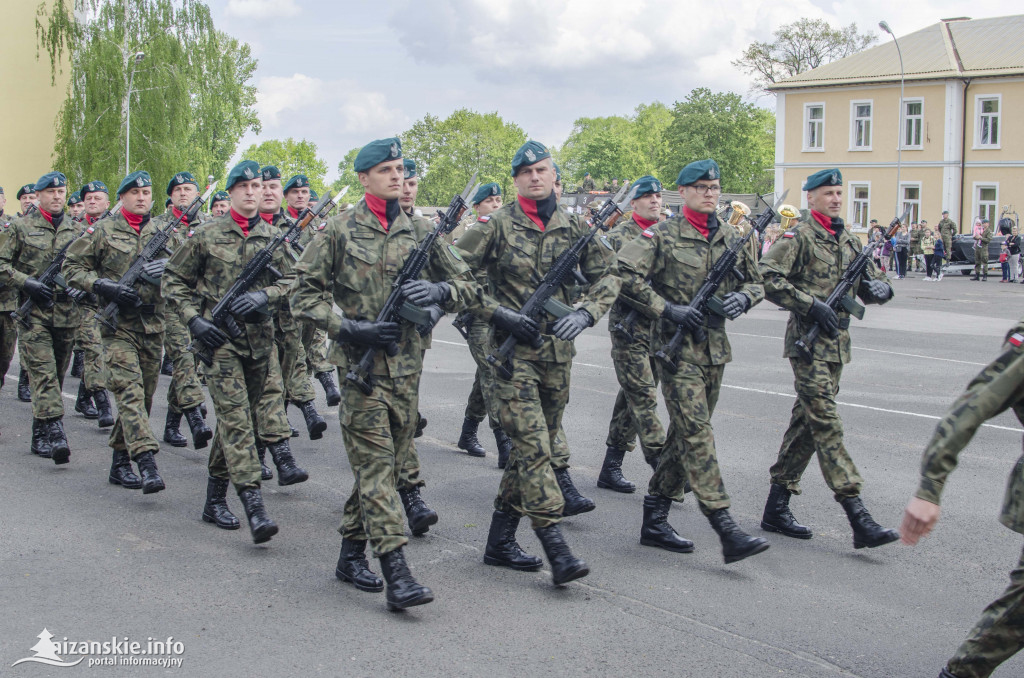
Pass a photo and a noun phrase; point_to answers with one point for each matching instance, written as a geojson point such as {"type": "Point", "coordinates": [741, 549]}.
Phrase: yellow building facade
{"type": "Point", "coordinates": [956, 142]}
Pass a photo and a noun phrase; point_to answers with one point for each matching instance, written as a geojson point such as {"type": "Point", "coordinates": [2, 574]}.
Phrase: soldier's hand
{"type": "Point", "coordinates": [735, 304]}
{"type": "Point", "coordinates": [919, 518]}
{"type": "Point", "coordinates": [207, 333]}
{"type": "Point", "coordinates": [426, 293]}
{"type": "Point", "coordinates": [687, 317]}
{"type": "Point", "coordinates": [155, 268]}
{"type": "Point", "coordinates": [876, 289]}
{"type": "Point", "coordinates": [569, 326]}
{"type": "Point", "coordinates": [75, 294]}
{"type": "Point", "coordinates": [369, 332]}
{"type": "Point", "coordinates": [250, 302]}
{"type": "Point", "coordinates": [122, 295]}
{"type": "Point", "coordinates": [523, 328]}
{"type": "Point", "coordinates": [825, 317]}
{"type": "Point", "coordinates": [42, 294]}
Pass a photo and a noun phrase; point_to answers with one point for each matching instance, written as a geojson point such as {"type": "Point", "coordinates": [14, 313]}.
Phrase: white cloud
{"type": "Point", "coordinates": [350, 108]}
{"type": "Point", "coordinates": [262, 9]}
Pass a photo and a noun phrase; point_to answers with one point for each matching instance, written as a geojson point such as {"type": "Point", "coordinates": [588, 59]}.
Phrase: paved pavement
{"type": "Point", "coordinates": [90, 561]}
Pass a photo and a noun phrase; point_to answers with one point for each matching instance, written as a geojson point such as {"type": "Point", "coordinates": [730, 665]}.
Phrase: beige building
{"type": "Point", "coordinates": [959, 136]}
{"type": "Point", "coordinates": [31, 102]}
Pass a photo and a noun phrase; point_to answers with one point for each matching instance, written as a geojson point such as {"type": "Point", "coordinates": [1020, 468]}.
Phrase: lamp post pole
{"type": "Point", "coordinates": [899, 134]}
{"type": "Point", "coordinates": [128, 113]}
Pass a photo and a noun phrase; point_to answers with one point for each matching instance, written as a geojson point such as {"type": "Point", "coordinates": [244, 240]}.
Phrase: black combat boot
{"type": "Point", "coordinates": [611, 473]}
{"type": "Point", "coordinates": [974, 277]}
{"type": "Point", "coordinates": [106, 417]}
{"type": "Point", "coordinates": [78, 363]}
{"type": "Point", "coordinates": [266, 473]}
{"type": "Point", "coordinates": [315, 424]}
{"type": "Point", "coordinates": [420, 516]}
{"type": "Point", "coordinates": [946, 673]}
{"type": "Point", "coordinates": [121, 472]}
{"type": "Point", "coordinates": [736, 544]}
{"type": "Point", "coordinates": [421, 425]}
{"type": "Point", "coordinates": [201, 433]}
{"type": "Point", "coordinates": [403, 590]}
{"type": "Point", "coordinates": [151, 480]}
{"type": "Point", "coordinates": [24, 392]}
{"type": "Point", "coordinates": [83, 404]}
{"type": "Point", "coordinates": [503, 550]}
{"type": "Point", "coordinates": [260, 524]}
{"type": "Point", "coordinates": [777, 516]}
{"type": "Point", "coordinates": [166, 366]}
{"type": "Point", "coordinates": [655, 530]}
{"type": "Point", "coordinates": [565, 567]}
{"type": "Point", "coordinates": [504, 447]}
{"type": "Point", "coordinates": [287, 472]}
{"type": "Point", "coordinates": [354, 568]}
{"type": "Point", "coordinates": [295, 431]}
{"type": "Point", "coordinates": [326, 380]}
{"type": "Point", "coordinates": [468, 440]}
{"type": "Point", "coordinates": [866, 532]}
{"type": "Point", "coordinates": [216, 510]}
{"type": "Point", "coordinates": [575, 503]}
{"type": "Point", "coordinates": [60, 451]}
{"type": "Point", "coordinates": [41, 439]}
{"type": "Point", "coordinates": [172, 433]}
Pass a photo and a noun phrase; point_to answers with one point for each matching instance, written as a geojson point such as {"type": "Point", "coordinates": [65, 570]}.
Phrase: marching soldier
{"type": "Point", "coordinates": [947, 227]}
{"type": "Point", "coordinates": [197, 277]}
{"type": "Point", "coordinates": [27, 198]}
{"type": "Point", "coordinates": [220, 203]}
{"type": "Point", "coordinates": [8, 305]}
{"type": "Point", "coordinates": [676, 257]}
{"type": "Point", "coordinates": [982, 237]}
{"type": "Point", "coordinates": [95, 263]}
{"type": "Point", "coordinates": [515, 245]}
{"type": "Point", "coordinates": [800, 271]}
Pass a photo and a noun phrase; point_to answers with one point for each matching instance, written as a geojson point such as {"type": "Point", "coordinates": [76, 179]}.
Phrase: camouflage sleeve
{"type": "Point", "coordinates": [181, 275]}
{"type": "Point", "coordinates": [599, 265]}
{"type": "Point", "coordinates": [775, 268]}
{"type": "Point", "coordinates": [998, 386]}
{"type": "Point", "coordinates": [476, 246]}
{"type": "Point", "coordinates": [753, 283]}
{"type": "Point", "coordinates": [446, 264]}
{"type": "Point", "coordinates": [10, 247]}
{"type": "Point", "coordinates": [638, 261]}
{"type": "Point", "coordinates": [83, 261]}
{"type": "Point", "coordinates": [312, 294]}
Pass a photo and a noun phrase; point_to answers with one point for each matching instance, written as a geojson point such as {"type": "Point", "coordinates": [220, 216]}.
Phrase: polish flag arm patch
{"type": "Point", "coordinates": [1016, 339]}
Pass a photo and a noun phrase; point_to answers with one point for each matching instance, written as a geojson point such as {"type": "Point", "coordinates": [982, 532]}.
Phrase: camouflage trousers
{"type": "Point", "coordinates": [997, 636]}
{"type": "Point", "coordinates": [94, 372]}
{"type": "Point", "coordinates": [637, 399]}
{"type": "Point", "coordinates": [947, 241]}
{"type": "Point", "coordinates": [8, 341]}
{"type": "Point", "coordinates": [45, 352]}
{"type": "Point", "coordinates": [133, 364]}
{"type": "Point", "coordinates": [689, 453]}
{"type": "Point", "coordinates": [981, 261]}
{"type": "Point", "coordinates": [292, 358]}
{"type": "Point", "coordinates": [815, 427]}
{"type": "Point", "coordinates": [272, 424]}
{"type": "Point", "coordinates": [314, 343]}
{"type": "Point", "coordinates": [185, 390]}
{"type": "Point", "coordinates": [236, 384]}
{"type": "Point", "coordinates": [377, 431]}
{"type": "Point", "coordinates": [481, 398]}
{"type": "Point", "coordinates": [530, 407]}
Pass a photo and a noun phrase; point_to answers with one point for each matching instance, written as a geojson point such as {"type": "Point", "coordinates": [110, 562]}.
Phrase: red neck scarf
{"type": "Point", "coordinates": [698, 220]}
{"type": "Point", "coordinates": [91, 220]}
{"type": "Point", "coordinates": [243, 222]}
{"type": "Point", "coordinates": [46, 215]}
{"type": "Point", "coordinates": [134, 220]}
{"type": "Point", "coordinates": [379, 207]}
{"type": "Point", "coordinates": [644, 224]}
{"type": "Point", "coordinates": [530, 209]}
{"type": "Point", "coordinates": [267, 217]}
{"type": "Point", "coordinates": [294, 212]}
{"type": "Point", "coordinates": [826, 222]}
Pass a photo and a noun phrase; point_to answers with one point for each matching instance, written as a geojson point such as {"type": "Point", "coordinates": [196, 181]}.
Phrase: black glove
{"type": "Point", "coordinates": [687, 317]}
{"type": "Point", "coordinates": [369, 332]}
{"type": "Point", "coordinates": [155, 268]}
{"type": "Point", "coordinates": [207, 333]}
{"type": "Point", "coordinates": [75, 294]}
{"type": "Point", "coordinates": [569, 326]}
{"type": "Point", "coordinates": [876, 289]}
{"type": "Point", "coordinates": [735, 304]}
{"type": "Point", "coordinates": [825, 317]}
{"type": "Point", "coordinates": [248, 303]}
{"type": "Point", "coordinates": [426, 293]}
{"type": "Point", "coordinates": [122, 295]}
{"type": "Point", "coordinates": [40, 293]}
{"type": "Point", "coordinates": [522, 327]}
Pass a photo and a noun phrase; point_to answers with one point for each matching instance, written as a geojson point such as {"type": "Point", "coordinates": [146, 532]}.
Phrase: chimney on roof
{"type": "Point", "coordinates": [956, 18]}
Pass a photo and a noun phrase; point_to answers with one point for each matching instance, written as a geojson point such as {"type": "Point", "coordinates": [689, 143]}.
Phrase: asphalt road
{"type": "Point", "coordinates": [90, 561]}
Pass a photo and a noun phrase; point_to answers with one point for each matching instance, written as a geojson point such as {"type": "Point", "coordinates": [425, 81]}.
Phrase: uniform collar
{"type": "Point", "coordinates": [558, 219]}
{"type": "Point", "coordinates": [365, 217]}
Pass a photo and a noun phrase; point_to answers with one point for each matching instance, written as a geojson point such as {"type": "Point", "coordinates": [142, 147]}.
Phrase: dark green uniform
{"type": "Point", "coordinates": [947, 227]}
{"type": "Point", "coordinates": [8, 304]}
{"type": "Point", "coordinates": [915, 248]}
{"type": "Point", "coordinates": [981, 252]}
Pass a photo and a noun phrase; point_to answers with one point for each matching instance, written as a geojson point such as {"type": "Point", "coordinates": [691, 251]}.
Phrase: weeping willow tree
{"type": "Point", "coordinates": [190, 99]}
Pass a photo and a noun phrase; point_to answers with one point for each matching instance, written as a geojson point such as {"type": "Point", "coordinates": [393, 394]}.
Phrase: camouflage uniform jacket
{"type": "Point", "coordinates": [355, 262]}
{"type": "Point", "coordinates": [947, 227]}
{"type": "Point", "coordinates": [624, 231]}
{"type": "Point", "coordinates": [677, 259]}
{"type": "Point", "coordinates": [8, 292]}
{"type": "Point", "coordinates": [804, 264]}
{"type": "Point", "coordinates": [986, 236]}
{"type": "Point", "coordinates": [1000, 385]}
{"type": "Point", "coordinates": [915, 240]}
{"type": "Point", "coordinates": [516, 255]}
{"type": "Point", "coordinates": [107, 250]}
{"type": "Point", "coordinates": [27, 247]}
{"type": "Point", "coordinates": [179, 231]}
{"type": "Point", "coordinates": [204, 268]}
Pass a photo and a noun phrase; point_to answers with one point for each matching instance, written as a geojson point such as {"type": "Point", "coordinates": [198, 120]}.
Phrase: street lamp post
{"type": "Point", "coordinates": [899, 135]}
{"type": "Point", "coordinates": [128, 113]}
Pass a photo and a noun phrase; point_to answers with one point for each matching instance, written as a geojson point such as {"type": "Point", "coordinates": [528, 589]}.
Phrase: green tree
{"type": "Point", "coordinates": [347, 177]}
{"type": "Point", "coordinates": [190, 100]}
{"type": "Point", "coordinates": [291, 157]}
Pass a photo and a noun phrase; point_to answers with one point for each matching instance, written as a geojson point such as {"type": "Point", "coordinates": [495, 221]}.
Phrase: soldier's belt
{"type": "Point", "coordinates": [844, 322]}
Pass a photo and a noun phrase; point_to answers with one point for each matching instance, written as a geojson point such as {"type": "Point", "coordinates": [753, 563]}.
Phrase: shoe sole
{"type": "Point", "coordinates": [112, 481]}
{"type": "Point", "coordinates": [578, 574]}
{"type": "Point", "coordinates": [61, 456]}
{"type": "Point", "coordinates": [624, 490]}
{"type": "Point", "coordinates": [862, 545]}
{"type": "Point", "coordinates": [761, 548]}
{"type": "Point", "coordinates": [266, 476]}
{"type": "Point", "coordinates": [482, 453]}
{"type": "Point", "coordinates": [496, 562]}
{"type": "Point", "coordinates": [153, 489]}
{"type": "Point", "coordinates": [331, 402]}
{"type": "Point", "coordinates": [230, 526]}
{"type": "Point", "coordinates": [422, 600]}
{"type": "Point", "coordinates": [651, 542]}
{"type": "Point", "coordinates": [317, 431]}
{"type": "Point", "coordinates": [200, 441]}
{"type": "Point", "coordinates": [103, 423]}
{"type": "Point", "coordinates": [422, 527]}
{"type": "Point", "coordinates": [294, 481]}
{"type": "Point", "coordinates": [183, 443]}
{"type": "Point", "coordinates": [264, 535]}
{"type": "Point", "coordinates": [771, 528]}
{"type": "Point", "coordinates": [88, 415]}
{"type": "Point", "coordinates": [588, 509]}
{"type": "Point", "coordinates": [348, 580]}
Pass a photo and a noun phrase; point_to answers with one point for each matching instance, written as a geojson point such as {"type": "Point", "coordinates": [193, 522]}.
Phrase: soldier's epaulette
{"type": "Point", "coordinates": [484, 219]}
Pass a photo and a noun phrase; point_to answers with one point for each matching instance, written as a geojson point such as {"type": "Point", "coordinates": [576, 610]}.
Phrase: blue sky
{"type": "Point", "coordinates": [342, 73]}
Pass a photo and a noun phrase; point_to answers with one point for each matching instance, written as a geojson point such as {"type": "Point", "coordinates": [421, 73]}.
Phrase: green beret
{"type": "Point", "coordinates": [826, 177]}
{"type": "Point", "coordinates": [558, 171]}
{"type": "Point", "coordinates": [27, 188]}
{"type": "Point", "coordinates": [485, 192]}
{"type": "Point", "coordinates": [410, 167]}
{"type": "Point", "coordinates": [695, 171]}
{"type": "Point", "coordinates": [50, 180]}
{"type": "Point", "coordinates": [220, 196]}
{"type": "Point", "coordinates": [75, 198]}
{"type": "Point", "coordinates": [297, 181]}
{"type": "Point", "coordinates": [247, 170]}
{"type": "Point", "coordinates": [167, 203]}
{"type": "Point", "coordinates": [313, 195]}
{"type": "Point", "coordinates": [134, 180]}
{"type": "Point", "coordinates": [645, 185]}
{"type": "Point", "coordinates": [179, 179]}
{"type": "Point", "coordinates": [270, 172]}
{"type": "Point", "coordinates": [528, 154]}
{"type": "Point", "coordinates": [376, 152]}
{"type": "Point", "coordinates": [94, 187]}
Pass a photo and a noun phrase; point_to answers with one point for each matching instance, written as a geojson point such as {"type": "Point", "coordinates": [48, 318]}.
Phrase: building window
{"type": "Point", "coordinates": [987, 198]}
{"type": "Point", "coordinates": [987, 125]}
{"type": "Point", "coordinates": [913, 123]}
{"type": "Point", "coordinates": [911, 197]}
{"type": "Point", "coordinates": [860, 204]}
{"type": "Point", "coordinates": [814, 127]}
{"type": "Point", "coordinates": [860, 127]}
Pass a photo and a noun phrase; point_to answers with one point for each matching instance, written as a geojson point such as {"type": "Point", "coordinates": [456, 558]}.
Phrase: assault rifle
{"type": "Point", "coordinates": [705, 300]}
{"type": "Point", "coordinates": [840, 296]}
{"type": "Point", "coordinates": [396, 305]}
{"type": "Point", "coordinates": [156, 246]}
{"type": "Point", "coordinates": [543, 298]}
{"type": "Point", "coordinates": [261, 261]}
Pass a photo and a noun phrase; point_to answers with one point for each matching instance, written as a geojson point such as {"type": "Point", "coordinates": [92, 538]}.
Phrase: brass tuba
{"type": "Point", "coordinates": [787, 215]}
{"type": "Point", "coordinates": [739, 212]}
